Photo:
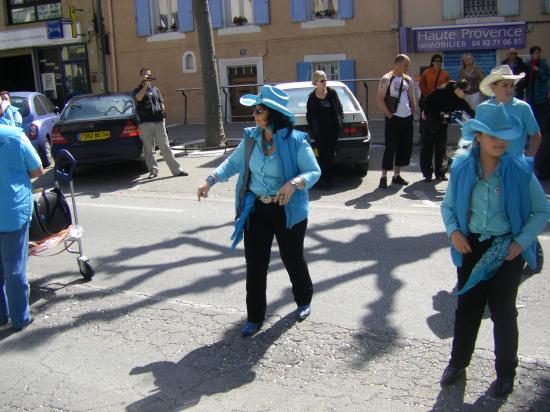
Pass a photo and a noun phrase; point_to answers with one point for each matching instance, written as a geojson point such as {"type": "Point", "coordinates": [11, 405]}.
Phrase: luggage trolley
{"type": "Point", "coordinates": [72, 233]}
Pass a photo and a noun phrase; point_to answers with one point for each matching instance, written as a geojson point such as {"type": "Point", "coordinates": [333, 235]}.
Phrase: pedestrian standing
{"type": "Point", "coordinates": [9, 114]}
{"type": "Point", "coordinates": [276, 167]}
{"type": "Point", "coordinates": [538, 76]}
{"type": "Point", "coordinates": [493, 210]}
{"type": "Point", "coordinates": [473, 73]}
{"type": "Point", "coordinates": [151, 111]}
{"type": "Point", "coordinates": [396, 100]}
{"type": "Point", "coordinates": [431, 78]}
{"type": "Point", "coordinates": [437, 111]}
{"type": "Point", "coordinates": [518, 66]}
{"type": "Point", "coordinates": [18, 163]}
{"type": "Point", "coordinates": [325, 117]}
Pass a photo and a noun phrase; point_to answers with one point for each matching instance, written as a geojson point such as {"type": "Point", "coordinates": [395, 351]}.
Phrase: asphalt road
{"type": "Point", "coordinates": [158, 326]}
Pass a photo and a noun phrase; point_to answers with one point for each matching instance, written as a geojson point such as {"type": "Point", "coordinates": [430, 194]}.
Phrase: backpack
{"type": "Point", "coordinates": [51, 214]}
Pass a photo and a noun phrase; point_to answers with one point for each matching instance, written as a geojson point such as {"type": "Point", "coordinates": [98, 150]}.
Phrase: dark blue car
{"type": "Point", "coordinates": [102, 128]}
{"type": "Point", "coordinates": [39, 115]}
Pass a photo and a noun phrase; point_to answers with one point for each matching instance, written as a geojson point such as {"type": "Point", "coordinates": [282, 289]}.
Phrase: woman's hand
{"type": "Point", "coordinates": [285, 193]}
{"type": "Point", "coordinates": [203, 190]}
{"type": "Point", "coordinates": [513, 250]}
{"type": "Point", "coordinates": [460, 242]}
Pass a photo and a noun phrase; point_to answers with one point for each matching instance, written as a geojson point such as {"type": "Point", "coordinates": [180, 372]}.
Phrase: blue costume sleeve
{"type": "Point", "coordinates": [30, 157]}
{"type": "Point", "coordinates": [307, 165]}
{"type": "Point", "coordinates": [540, 213]}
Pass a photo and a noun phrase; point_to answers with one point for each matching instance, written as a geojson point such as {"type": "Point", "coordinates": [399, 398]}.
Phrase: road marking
{"type": "Point", "coordinates": [425, 201]}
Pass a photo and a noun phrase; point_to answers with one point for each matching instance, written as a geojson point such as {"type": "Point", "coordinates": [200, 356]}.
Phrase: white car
{"type": "Point", "coordinates": [353, 146]}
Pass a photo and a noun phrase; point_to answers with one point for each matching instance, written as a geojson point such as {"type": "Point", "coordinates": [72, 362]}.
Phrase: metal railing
{"type": "Point", "coordinates": [225, 90]}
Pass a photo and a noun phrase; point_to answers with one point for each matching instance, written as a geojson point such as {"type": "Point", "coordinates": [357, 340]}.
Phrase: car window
{"type": "Point", "coordinates": [98, 106]}
{"type": "Point", "coordinates": [38, 106]}
{"type": "Point", "coordinates": [50, 108]}
{"type": "Point", "coordinates": [297, 102]}
{"type": "Point", "coordinates": [21, 103]}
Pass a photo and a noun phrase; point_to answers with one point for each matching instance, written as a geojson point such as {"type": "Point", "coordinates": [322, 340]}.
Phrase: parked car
{"type": "Point", "coordinates": [39, 115]}
{"type": "Point", "coordinates": [354, 141]}
{"type": "Point", "coordinates": [99, 129]}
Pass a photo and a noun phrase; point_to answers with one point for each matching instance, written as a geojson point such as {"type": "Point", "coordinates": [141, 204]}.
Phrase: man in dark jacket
{"type": "Point", "coordinates": [518, 66]}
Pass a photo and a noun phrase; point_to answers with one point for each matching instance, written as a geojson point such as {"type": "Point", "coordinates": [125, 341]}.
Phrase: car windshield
{"type": "Point", "coordinates": [297, 102]}
{"type": "Point", "coordinates": [21, 103]}
{"type": "Point", "coordinates": [94, 107]}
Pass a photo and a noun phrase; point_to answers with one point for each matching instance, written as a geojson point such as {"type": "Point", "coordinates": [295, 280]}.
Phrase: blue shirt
{"type": "Point", "coordinates": [17, 159]}
{"type": "Point", "coordinates": [266, 176]}
{"type": "Point", "coordinates": [486, 215]}
{"type": "Point", "coordinates": [523, 112]}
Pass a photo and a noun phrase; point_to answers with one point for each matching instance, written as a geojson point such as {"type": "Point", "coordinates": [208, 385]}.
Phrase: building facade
{"type": "Point", "coordinates": [43, 49]}
{"type": "Point", "coordinates": [256, 41]}
{"type": "Point", "coordinates": [487, 29]}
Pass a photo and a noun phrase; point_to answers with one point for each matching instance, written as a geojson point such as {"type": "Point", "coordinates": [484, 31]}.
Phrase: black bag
{"type": "Point", "coordinates": [393, 102]}
{"type": "Point", "coordinates": [51, 214]}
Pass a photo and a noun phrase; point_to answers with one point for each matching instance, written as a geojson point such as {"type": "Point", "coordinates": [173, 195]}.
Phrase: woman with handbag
{"type": "Point", "coordinates": [473, 73]}
{"type": "Point", "coordinates": [276, 167]}
{"type": "Point", "coordinates": [325, 119]}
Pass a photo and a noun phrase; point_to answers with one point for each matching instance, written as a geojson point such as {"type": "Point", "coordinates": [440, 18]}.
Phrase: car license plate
{"type": "Point", "coordinates": [102, 135]}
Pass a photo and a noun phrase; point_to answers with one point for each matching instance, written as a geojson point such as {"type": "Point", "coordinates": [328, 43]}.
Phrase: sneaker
{"type": "Point", "coordinates": [452, 375]}
{"type": "Point", "coordinates": [398, 180]}
{"type": "Point", "coordinates": [503, 387]}
{"type": "Point", "coordinates": [250, 328]}
{"type": "Point", "coordinates": [183, 173]}
{"type": "Point", "coordinates": [383, 182]}
{"type": "Point", "coordinates": [152, 174]}
{"type": "Point", "coordinates": [443, 178]}
{"type": "Point", "coordinates": [303, 312]}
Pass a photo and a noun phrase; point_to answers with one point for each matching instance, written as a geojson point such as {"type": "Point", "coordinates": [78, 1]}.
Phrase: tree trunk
{"type": "Point", "coordinates": [215, 135]}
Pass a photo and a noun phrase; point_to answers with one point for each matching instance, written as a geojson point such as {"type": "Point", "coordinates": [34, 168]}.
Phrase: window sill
{"type": "Point", "coordinates": [248, 28]}
{"type": "Point", "coordinates": [480, 20]}
{"type": "Point", "coordinates": [173, 35]}
{"type": "Point", "coordinates": [322, 23]}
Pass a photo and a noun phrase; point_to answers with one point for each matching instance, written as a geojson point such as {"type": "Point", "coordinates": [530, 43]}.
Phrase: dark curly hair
{"type": "Point", "coordinates": [278, 120]}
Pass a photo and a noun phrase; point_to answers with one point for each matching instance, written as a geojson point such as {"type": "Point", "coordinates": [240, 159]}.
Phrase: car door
{"type": "Point", "coordinates": [51, 115]}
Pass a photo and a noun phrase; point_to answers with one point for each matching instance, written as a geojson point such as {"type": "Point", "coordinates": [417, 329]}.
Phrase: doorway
{"type": "Point", "coordinates": [242, 79]}
{"type": "Point", "coordinates": [16, 73]}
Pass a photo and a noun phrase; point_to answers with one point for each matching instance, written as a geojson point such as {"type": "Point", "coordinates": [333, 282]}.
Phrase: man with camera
{"type": "Point", "coordinates": [150, 108]}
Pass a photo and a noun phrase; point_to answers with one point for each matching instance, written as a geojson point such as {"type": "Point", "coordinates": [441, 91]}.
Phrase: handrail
{"type": "Point", "coordinates": [225, 89]}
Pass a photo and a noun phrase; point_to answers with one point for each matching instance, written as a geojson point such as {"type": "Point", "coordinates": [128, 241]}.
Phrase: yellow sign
{"type": "Point", "coordinates": [102, 135]}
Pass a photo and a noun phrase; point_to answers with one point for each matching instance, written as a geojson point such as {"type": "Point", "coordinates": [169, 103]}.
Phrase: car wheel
{"type": "Point", "coordinates": [46, 155]}
{"type": "Point", "coordinates": [362, 168]}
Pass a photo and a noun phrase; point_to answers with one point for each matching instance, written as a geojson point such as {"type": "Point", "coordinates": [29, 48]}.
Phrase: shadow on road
{"type": "Point", "coordinates": [226, 365]}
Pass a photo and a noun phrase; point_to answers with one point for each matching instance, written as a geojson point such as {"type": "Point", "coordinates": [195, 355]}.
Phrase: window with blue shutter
{"type": "Point", "coordinates": [303, 72]}
{"type": "Point", "coordinates": [347, 72]}
{"type": "Point", "coordinates": [545, 4]}
{"type": "Point", "coordinates": [216, 14]}
{"type": "Point", "coordinates": [185, 15]}
{"type": "Point", "coordinates": [298, 10]}
{"type": "Point", "coordinates": [260, 8]}
{"type": "Point", "coordinates": [508, 7]}
{"type": "Point", "coordinates": [453, 9]}
{"type": "Point", "coordinates": [345, 9]}
{"type": "Point", "coordinates": [452, 60]}
{"type": "Point", "coordinates": [143, 18]}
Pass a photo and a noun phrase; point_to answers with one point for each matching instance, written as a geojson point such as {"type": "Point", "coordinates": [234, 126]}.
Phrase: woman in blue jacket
{"type": "Point", "coordinates": [493, 210]}
{"type": "Point", "coordinates": [276, 167]}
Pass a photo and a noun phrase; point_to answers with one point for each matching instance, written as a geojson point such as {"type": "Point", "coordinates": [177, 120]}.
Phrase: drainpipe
{"type": "Point", "coordinates": [114, 73]}
{"type": "Point", "coordinates": [399, 24]}
{"type": "Point", "coordinates": [98, 11]}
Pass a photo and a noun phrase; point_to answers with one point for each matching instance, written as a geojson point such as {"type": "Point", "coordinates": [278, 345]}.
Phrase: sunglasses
{"type": "Point", "coordinates": [257, 111]}
{"type": "Point", "coordinates": [438, 61]}
{"type": "Point", "coordinates": [323, 81]}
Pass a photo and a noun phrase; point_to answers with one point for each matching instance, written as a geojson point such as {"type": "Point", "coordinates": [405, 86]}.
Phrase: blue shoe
{"type": "Point", "coordinates": [20, 328]}
{"type": "Point", "coordinates": [303, 312]}
{"type": "Point", "coordinates": [250, 328]}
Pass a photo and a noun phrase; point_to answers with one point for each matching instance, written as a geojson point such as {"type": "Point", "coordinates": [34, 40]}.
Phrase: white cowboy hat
{"type": "Point", "coordinates": [503, 72]}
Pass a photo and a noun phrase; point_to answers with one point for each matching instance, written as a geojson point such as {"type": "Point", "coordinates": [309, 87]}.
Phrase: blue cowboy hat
{"type": "Point", "coordinates": [272, 97]}
{"type": "Point", "coordinates": [493, 120]}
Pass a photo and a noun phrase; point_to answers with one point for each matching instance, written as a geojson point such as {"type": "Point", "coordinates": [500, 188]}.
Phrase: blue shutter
{"type": "Point", "coordinates": [303, 72]}
{"type": "Point", "coordinates": [545, 5]}
{"type": "Point", "coordinates": [216, 16]}
{"type": "Point", "coordinates": [143, 18]}
{"type": "Point", "coordinates": [452, 60]}
{"type": "Point", "coordinates": [298, 10]}
{"type": "Point", "coordinates": [185, 15]}
{"type": "Point", "coordinates": [453, 9]}
{"type": "Point", "coordinates": [345, 9]}
{"type": "Point", "coordinates": [507, 7]}
{"type": "Point", "coordinates": [347, 71]}
{"type": "Point", "coordinates": [261, 11]}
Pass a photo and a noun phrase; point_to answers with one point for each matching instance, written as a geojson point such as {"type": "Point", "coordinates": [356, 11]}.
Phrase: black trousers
{"type": "Point", "coordinates": [434, 146]}
{"type": "Point", "coordinates": [398, 139]}
{"type": "Point", "coordinates": [326, 144]}
{"type": "Point", "coordinates": [266, 221]}
{"type": "Point", "coordinates": [500, 294]}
